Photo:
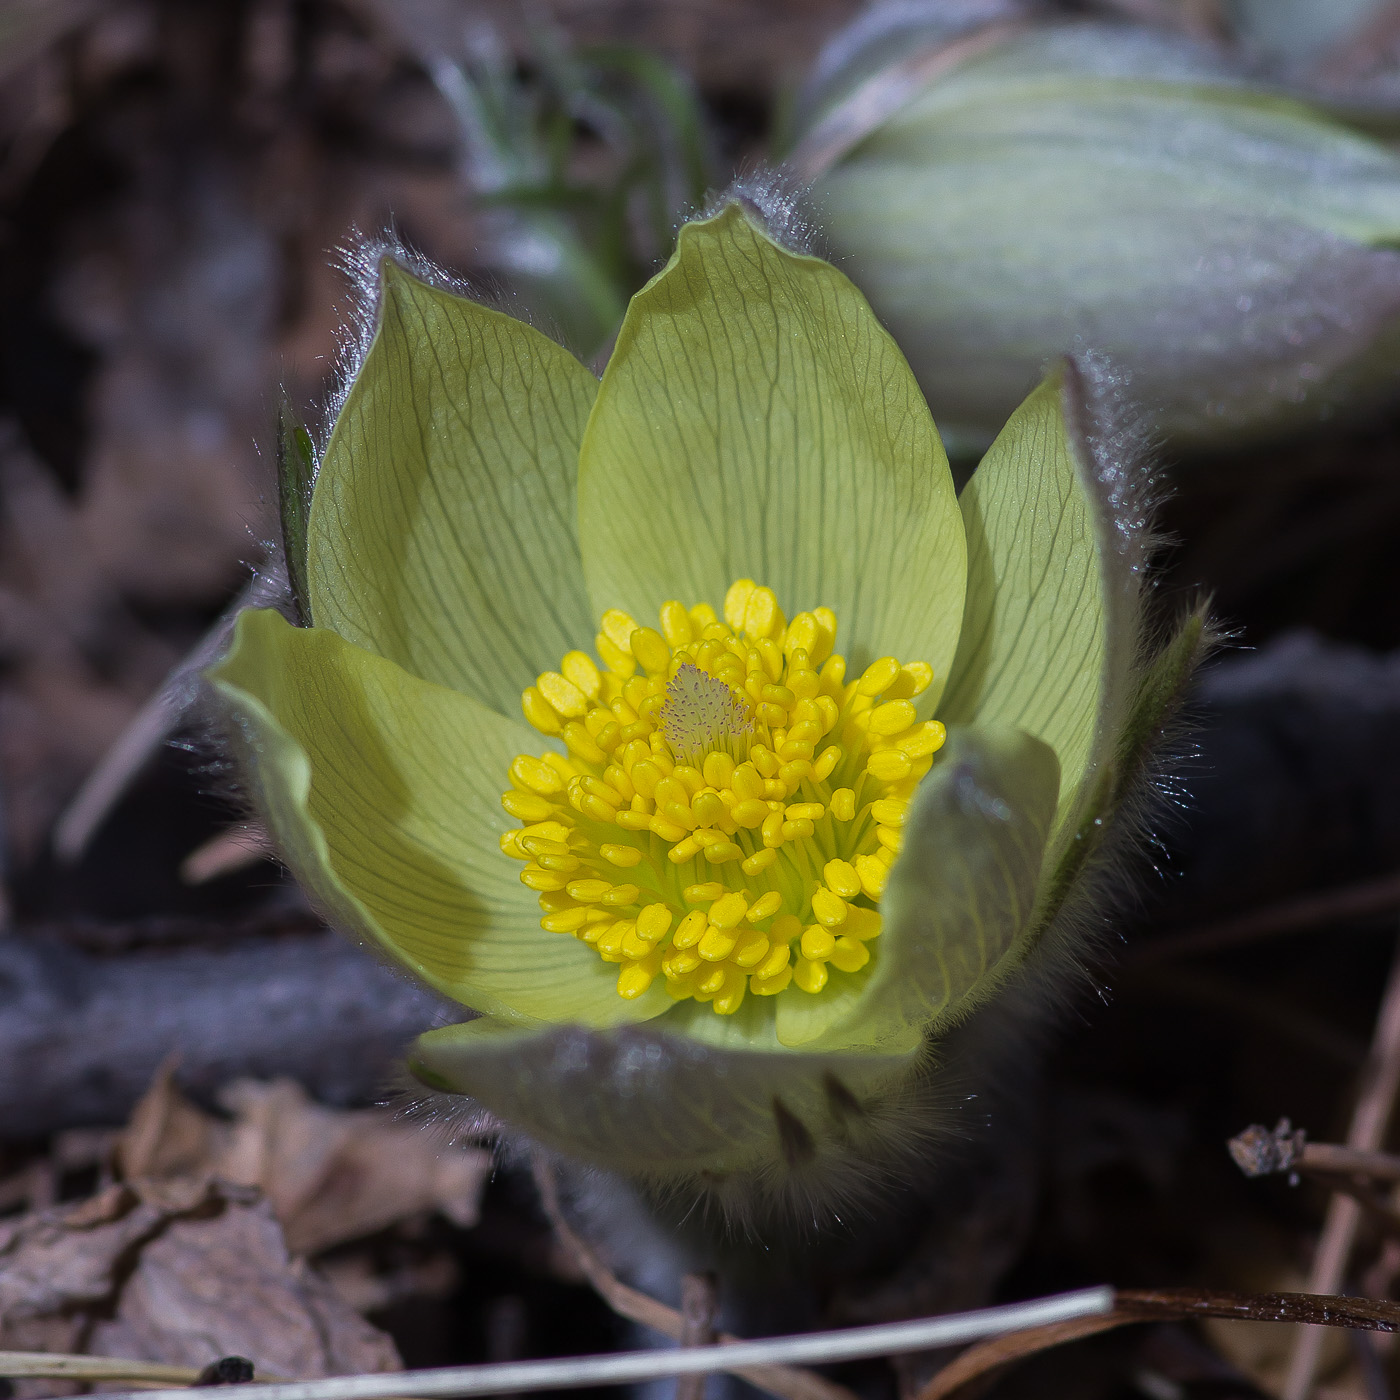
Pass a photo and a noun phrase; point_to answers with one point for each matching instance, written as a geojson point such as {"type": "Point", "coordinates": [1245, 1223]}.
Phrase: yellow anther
{"type": "Point", "coordinates": [736, 602]}
{"type": "Point", "coordinates": [581, 744]}
{"type": "Point", "coordinates": [802, 632]}
{"type": "Point", "coordinates": [817, 942]}
{"type": "Point", "coordinates": [597, 808]}
{"type": "Point", "coordinates": [703, 894]}
{"type": "Point", "coordinates": [750, 949]}
{"type": "Point", "coordinates": [726, 911]}
{"type": "Point", "coordinates": [928, 738]}
{"type": "Point", "coordinates": [634, 946]}
{"type": "Point", "coordinates": [687, 848]}
{"type": "Point", "coordinates": [621, 895]}
{"type": "Point", "coordinates": [809, 976]}
{"type": "Point", "coordinates": [727, 852]}
{"type": "Point", "coordinates": [841, 877]}
{"type": "Point", "coordinates": [791, 774]}
{"type": "Point", "coordinates": [535, 878]}
{"type": "Point", "coordinates": [843, 804]}
{"type": "Point", "coordinates": [849, 955]}
{"type": "Point", "coordinates": [717, 944]}
{"type": "Point", "coordinates": [618, 660]}
{"type": "Point", "coordinates": [889, 765]}
{"type": "Point", "coordinates": [878, 676]}
{"type": "Point", "coordinates": [667, 830]}
{"type": "Point", "coordinates": [890, 837]}
{"type": "Point", "coordinates": [861, 922]}
{"type": "Point", "coordinates": [618, 628]}
{"type": "Point", "coordinates": [539, 712]}
{"type": "Point", "coordinates": [774, 960]}
{"type": "Point", "coordinates": [794, 830]}
{"type": "Point", "coordinates": [691, 929]}
{"type": "Point", "coordinates": [826, 622]}
{"type": "Point", "coordinates": [589, 891]}
{"type": "Point", "coordinates": [566, 921]}
{"type": "Point", "coordinates": [825, 763]}
{"type": "Point", "coordinates": [765, 906]}
{"type": "Point", "coordinates": [765, 760]}
{"type": "Point", "coordinates": [635, 978]}
{"type": "Point", "coordinates": [536, 775]}
{"type": "Point", "coordinates": [654, 922]}
{"type": "Point", "coordinates": [759, 861]}
{"type": "Point", "coordinates": [893, 717]}
{"type": "Point", "coordinates": [730, 997]}
{"type": "Point", "coordinates": [676, 624]}
{"type": "Point", "coordinates": [708, 808]}
{"type": "Point", "coordinates": [527, 806]}
{"type": "Point", "coordinates": [890, 811]}
{"type": "Point", "coordinates": [873, 874]}
{"type": "Point", "coordinates": [747, 781]}
{"type": "Point", "coordinates": [718, 770]}
{"type": "Point", "coordinates": [562, 864]}
{"type": "Point", "coordinates": [771, 986]}
{"type": "Point", "coordinates": [709, 980]}
{"type": "Point", "coordinates": [828, 908]}
{"type": "Point", "coordinates": [579, 668]}
{"type": "Point", "coordinates": [563, 696]}
{"type": "Point", "coordinates": [650, 649]}
{"type": "Point", "coordinates": [808, 811]}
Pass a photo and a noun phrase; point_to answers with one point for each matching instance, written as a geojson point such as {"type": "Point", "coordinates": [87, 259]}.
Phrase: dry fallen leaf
{"type": "Point", "coordinates": [178, 1271]}
{"type": "Point", "coordinates": [331, 1175]}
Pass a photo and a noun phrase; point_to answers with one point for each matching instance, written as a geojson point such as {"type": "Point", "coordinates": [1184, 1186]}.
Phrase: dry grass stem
{"type": "Point", "coordinates": [1375, 1100]}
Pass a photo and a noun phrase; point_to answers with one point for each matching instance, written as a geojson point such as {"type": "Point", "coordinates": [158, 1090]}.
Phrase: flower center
{"type": "Point", "coordinates": [730, 804]}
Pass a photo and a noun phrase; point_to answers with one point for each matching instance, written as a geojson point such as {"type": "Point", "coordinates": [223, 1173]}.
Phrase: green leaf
{"type": "Point", "coordinates": [1050, 632]}
{"type": "Point", "coordinates": [296, 471]}
{"type": "Point", "coordinates": [756, 421]}
{"type": "Point", "coordinates": [382, 793]}
{"type": "Point", "coordinates": [443, 532]}
{"type": "Point", "coordinates": [658, 1105]}
{"type": "Point", "coordinates": [960, 898]}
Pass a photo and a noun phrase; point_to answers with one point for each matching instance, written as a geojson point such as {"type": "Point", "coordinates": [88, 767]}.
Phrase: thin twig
{"type": "Point", "coordinates": [68, 1366]}
{"type": "Point", "coordinates": [787, 1382]}
{"type": "Point", "coordinates": [699, 1307]}
{"type": "Point", "coordinates": [1291, 916]}
{"type": "Point", "coordinates": [1375, 1100]}
{"type": "Point", "coordinates": [1162, 1305]}
{"type": "Point", "coordinates": [740, 1358]}
{"type": "Point", "coordinates": [1260, 1151]}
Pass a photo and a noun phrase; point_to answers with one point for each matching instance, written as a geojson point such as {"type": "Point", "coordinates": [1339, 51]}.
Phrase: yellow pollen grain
{"type": "Point", "coordinates": [726, 763]}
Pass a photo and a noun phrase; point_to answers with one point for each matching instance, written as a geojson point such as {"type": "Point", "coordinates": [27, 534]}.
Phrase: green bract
{"type": "Point", "coordinates": [483, 501]}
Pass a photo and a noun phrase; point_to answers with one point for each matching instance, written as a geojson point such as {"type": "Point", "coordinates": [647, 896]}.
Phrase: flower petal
{"type": "Point", "coordinates": [659, 1105]}
{"type": "Point", "coordinates": [443, 532]}
{"type": "Point", "coordinates": [382, 792]}
{"type": "Point", "coordinates": [960, 900]}
{"type": "Point", "coordinates": [1050, 634]}
{"type": "Point", "coordinates": [757, 421]}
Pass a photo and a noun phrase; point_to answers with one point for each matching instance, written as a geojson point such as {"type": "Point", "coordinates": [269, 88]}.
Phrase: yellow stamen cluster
{"type": "Point", "coordinates": [729, 805]}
